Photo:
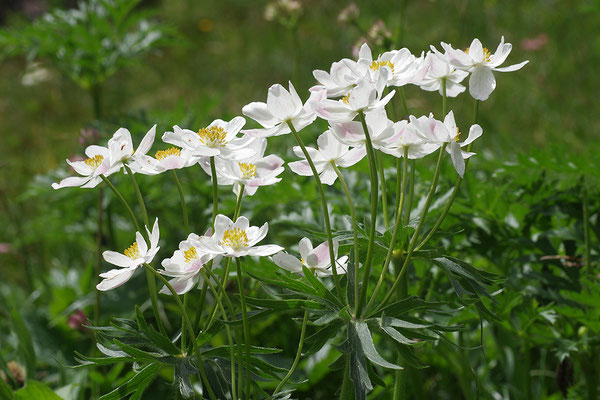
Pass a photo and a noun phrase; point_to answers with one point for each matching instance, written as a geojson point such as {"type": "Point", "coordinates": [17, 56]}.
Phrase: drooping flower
{"type": "Point", "coordinates": [317, 260]}
{"type": "Point", "coordinates": [282, 106]}
{"type": "Point", "coordinates": [98, 163]}
{"type": "Point", "coordinates": [185, 265]}
{"type": "Point", "coordinates": [330, 151]}
{"type": "Point", "coordinates": [237, 239]}
{"type": "Point", "coordinates": [133, 257]}
{"type": "Point", "coordinates": [121, 147]}
{"type": "Point", "coordinates": [440, 70]}
{"type": "Point", "coordinates": [478, 60]}
{"type": "Point", "coordinates": [217, 139]}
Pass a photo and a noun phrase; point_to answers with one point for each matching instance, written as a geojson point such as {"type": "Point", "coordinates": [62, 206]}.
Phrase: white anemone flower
{"type": "Point", "coordinates": [185, 265]}
{"type": "Point", "coordinates": [217, 139]}
{"type": "Point", "coordinates": [90, 169]}
{"type": "Point", "coordinates": [364, 97]}
{"type": "Point", "coordinates": [237, 239]}
{"type": "Point", "coordinates": [251, 172]}
{"type": "Point", "coordinates": [164, 160]}
{"type": "Point", "coordinates": [437, 132]}
{"type": "Point", "coordinates": [330, 152]}
{"type": "Point", "coordinates": [381, 130]}
{"type": "Point", "coordinates": [317, 260]}
{"type": "Point", "coordinates": [133, 257]}
{"type": "Point", "coordinates": [282, 106]}
{"type": "Point", "coordinates": [121, 147]}
{"type": "Point", "coordinates": [478, 60]}
{"type": "Point", "coordinates": [408, 139]}
{"type": "Point", "coordinates": [339, 80]}
{"type": "Point", "coordinates": [440, 70]}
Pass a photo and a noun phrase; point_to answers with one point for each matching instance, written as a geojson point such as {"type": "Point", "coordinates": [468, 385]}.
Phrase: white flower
{"type": "Point", "coordinates": [437, 132]}
{"type": "Point", "coordinates": [339, 80]}
{"type": "Point", "coordinates": [251, 172]}
{"type": "Point", "coordinates": [217, 139]}
{"type": "Point", "coordinates": [330, 151]}
{"type": "Point", "coordinates": [185, 265]}
{"type": "Point", "coordinates": [440, 69]}
{"type": "Point", "coordinates": [400, 65]}
{"type": "Point", "coordinates": [408, 139]}
{"type": "Point", "coordinates": [97, 163]}
{"type": "Point", "coordinates": [363, 97]}
{"type": "Point", "coordinates": [172, 158]}
{"type": "Point", "coordinates": [381, 130]}
{"type": "Point", "coordinates": [136, 255]}
{"type": "Point", "coordinates": [237, 239]}
{"type": "Point", "coordinates": [121, 147]}
{"type": "Point", "coordinates": [281, 106]}
{"type": "Point", "coordinates": [480, 63]}
{"type": "Point", "coordinates": [317, 260]}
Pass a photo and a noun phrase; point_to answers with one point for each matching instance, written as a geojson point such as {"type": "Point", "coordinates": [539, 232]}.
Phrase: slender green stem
{"type": "Point", "coordinates": [203, 292]}
{"type": "Point", "coordinates": [215, 189]}
{"type": "Point", "coordinates": [397, 225]}
{"type": "Point", "coordinates": [123, 201]}
{"type": "Point", "coordinates": [586, 229]}
{"type": "Point", "coordinates": [411, 193]}
{"type": "Point", "coordinates": [403, 98]}
{"type": "Point", "coordinates": [187, 324]}
{"type": "Point", "coordinates": [399, 177]}
{"type": "Point", "coordinates": [336, 279]}
{"type": "Point", "coordinates": [222, 285]}
{"type": "Point", "coordinates": [401, 375]}
{"type": "Point", "coordinates": [354, 226]}
{"type": "Point", "coordinates": [238, 203]}
{"type": "Point", "coordinates": [383, 190]}
{"type": "Point", "coordinates": [298, 354]}
{"type": "Point", "coordinates": [413, 239]}
{"type": "Point", "coordinates": [228, 333]}
{"type": "Point", "coordinates": [240, 280]}
{"type": "Point", "coordinates": [98, 259]}
{"type": "Point", "coordinates": [374, 198]}
{"type": "Point", "coordinates": [186, 222]}
{"type": "Point", "coordinates": [139, 197]}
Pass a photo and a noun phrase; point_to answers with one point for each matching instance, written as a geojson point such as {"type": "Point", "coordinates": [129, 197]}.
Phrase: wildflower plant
{"type": "Point", "coordinates": [351, 289]}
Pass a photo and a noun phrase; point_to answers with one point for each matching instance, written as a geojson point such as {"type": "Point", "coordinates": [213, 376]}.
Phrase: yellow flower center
{"type": "Point", "coordinates": [457, 134]}
{"type": "Point", "coordinates": [248, 170]}
{"type": "Point", "coordinates": [486, 54]}
{"type": "Point", "coordinates": [235, 238]}
{"type": "Point", "coordinates": [213, 136]}
{"type": "Point", "coordinates": [95, 161]}
{"type": "Point", "coordinates": [132, 251]}
{"type": "Point", "coordinates": [173, 151]}
{"type": "Point", "coordinates": [346, 98]}
{"type": "Point", "coordinates": [375, 65]}
{"type": "Point", "coordinates": [190, 254]}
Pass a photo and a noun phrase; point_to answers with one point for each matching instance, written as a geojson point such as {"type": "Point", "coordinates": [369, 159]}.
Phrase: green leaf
{"type": "Point", "coordinates": [35, 390]}
{"type": "Point", "coordinates": [411, 303]}
{"type": "Point", "coordinates": [318, 339]}
{"type": "Point", "coordinates": [366, 341]}
{"type": "Point", "coordinates": [25, 343]}
{"type": "Point", "coordinates": [358, 366]}
{"type": "Point", "coordinates": [320, 288]}
{"type": "Point", "coordinates": [142, 378]}
{"type": "Point", "coordinates": [163, 342]}
{"type": "Point", "coordinates": [283, 305]}
{"type": "Point", "coordinates": [6, 392]}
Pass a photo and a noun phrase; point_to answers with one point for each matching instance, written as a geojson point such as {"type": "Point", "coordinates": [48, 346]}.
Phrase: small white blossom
{"type": "Point", "coordinates": [121, 147]}
{"type": "Point", "coordinates": [317, 260]}
{"type": "Point", "coordinates": [439, 70]}
{"type": "Point", "coordinates": [90, 169]}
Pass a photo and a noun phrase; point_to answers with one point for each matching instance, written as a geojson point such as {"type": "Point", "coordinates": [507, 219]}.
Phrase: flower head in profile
{"type": "Point", "coordinates": [282, 106]}
{"type": "Point", "coordinates": [339, 80]}
{"type": "Point", "coordinates": [316, 259]}
{"type": "Point", "coordinates": [185, 265]}
{"type": "Point", "coordinates": [440, 69]}
{"type": "Point", "coordinates": [121, 147]}
{"type": "Point", "coordinates": [237, 239]}
{"type": "Point", "coordinates": [163, 160]}
{"type": "Point", "coordinates": [134, 256]}
{"type": "Point", "coordinates": [480, 62]}
{"type": "Point", "coordinates": [381, 130]}
{"type": "Point", "coordinates": [330, 152]}
{"type": "Point", "coordinates": [217, 139]}
{"type": "Point", "coordinates": [392, 68]}
{"type": "Point", "coordinates": [97, 163]}
{"type": "Point", "coordinates": [409, 140]}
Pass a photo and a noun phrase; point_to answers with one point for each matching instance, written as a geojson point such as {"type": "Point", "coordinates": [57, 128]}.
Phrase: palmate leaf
{"type": "Point", "coordinates": [318, 339]}
{"type": "Point", "coordinates": [365, 339]}
{"type": "Point", "coordinates": [322, 291]}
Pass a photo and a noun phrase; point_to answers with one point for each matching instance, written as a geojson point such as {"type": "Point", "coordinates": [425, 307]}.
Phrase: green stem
{"type": "Point", "coordinates": [186, 222]}
{"type": "Point", "coordinates": [397, 225]}
{"type": "Point", "coordinates": [586, 229]}
{"type": "Point", "coordinates": [401, 375]}
{"type": "Point", "coordinates": [139, 197]}
{"type": "Point", "coordinates": [240, 280]}
{"type": "Point", "coordinates": [413, 239]}
{"type": "Point", "coordinates": [383, 191]}
{"type": "Point", "coordinates": [354, 226]}
{"type": "Point", "coordinates": [123, 201]}
{"type": "Point", "coordinates": [403, 98]}
{"type": "Point", "coordinates": [411, 193]}
{"type": "Point", "coordinates": [215, 189]}
{"type": "Point", "coordinates": [336, 279]}
{"type": "Point", "coordinates": [298, 354]}
{"type": "Point", "coordinates": [374, 198]}
{"type": "Point", "coordinates": [98, 259]}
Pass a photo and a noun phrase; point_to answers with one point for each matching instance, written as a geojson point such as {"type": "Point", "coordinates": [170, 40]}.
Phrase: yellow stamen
{"type": "Point", "coordinates": [457, 134]}
{"type": "Point", "coordinates": [95, 161]}
{"type": "Point", "coordinates": [375, 65]}
{"type": "Point", "coordinates": [346, 98]}
{"type": "Point", "coordinates": [132, 251]}
{"type": "Point", "coordinates": [486, 54]}
{"type": "Point", "coordinates": [190, 254]}
{"type": "Point", "coordinates": [213, 136]}
{"type": "Point", "coordinates": [248, 170]}
{"type": "Point", "coordinates": [235, 238]}
{"type": "Point", "coordinates": [173, 151]}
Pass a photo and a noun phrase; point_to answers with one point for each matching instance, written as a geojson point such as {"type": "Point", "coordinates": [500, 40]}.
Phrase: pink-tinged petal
{"type": "Point", "coordinates": [208, 245]}
{"type": "Point", "coordinates": [180, 285]}
{"type": "Point", "coordinates": [481, 83]}
{"type": "Point", "coordinates": [287, 262]}
{"type": "Point", "coordinates": [80, 167]}
{"type": "Point", "coordinates": [301, 168]}
{"type": "Point", "coordinates": [305, 247]}
{"type": "Point", "coordinates": [260, 113]}
{"type": "Point", "coordinates": [457, 159]}
{"type": "Point", "coordinates": [265, 250]}
{"type": "Point", "coordinates": [474, 132]}
{"type": "Point", "coordinates": [222, 223]}
{"type": "Point", "coordinates": [115, 278]}
{"type": "Point", "coordinates": [352, 157]}
{"type": "Point", "coordinates": [303, 120]}
{"type": "Point", "coordinates": [92, 183]}
{"type": "Point", "coordinates": [70, 182]}
{"type": "Point", "coordinates": [510, 68]}
{"type": "Point", "coordinates": [279, 102]}
{"type": "Point", "coordinates": [328, 175]}
{"type": "Point", "coordinates": [270, 162]}
{"type": "Point", "coordinates": [118, 259]}
{"type": "Point", "coordinates": [319, 257]}
{"type": "Point", "coordinates": [146, 142]}
{"type": "Point", "coordinates": [350, 133]}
